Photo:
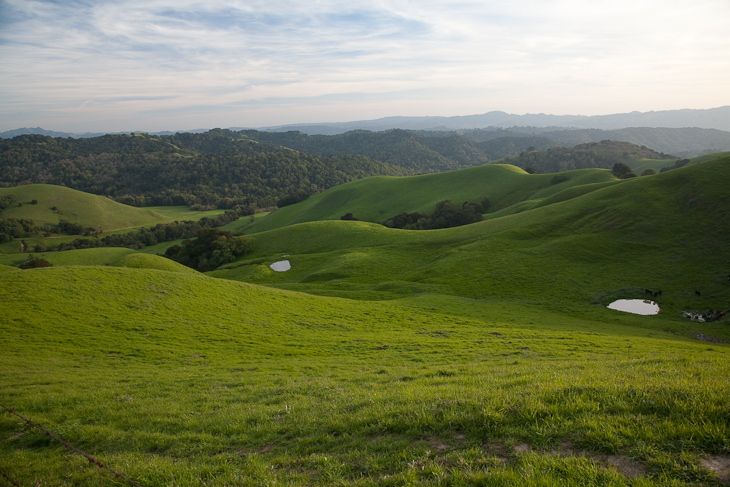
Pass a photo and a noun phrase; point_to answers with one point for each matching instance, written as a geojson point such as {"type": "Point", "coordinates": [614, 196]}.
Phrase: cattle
{"type": "Point", "coordinates": [657, 293]}
{"type": "Point", "coordinates": [697, 293]}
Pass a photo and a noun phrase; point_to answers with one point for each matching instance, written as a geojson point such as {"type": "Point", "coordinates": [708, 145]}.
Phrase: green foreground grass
{"type": "Point", "coordinates": [181, 379]}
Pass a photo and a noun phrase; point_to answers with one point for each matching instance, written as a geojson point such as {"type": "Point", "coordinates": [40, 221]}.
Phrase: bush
{"type": "Point", "coordinates": [35, 262]}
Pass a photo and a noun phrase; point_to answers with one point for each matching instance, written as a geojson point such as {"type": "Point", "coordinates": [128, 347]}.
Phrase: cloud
{"type": "Point", "coordinates": [89, 57]}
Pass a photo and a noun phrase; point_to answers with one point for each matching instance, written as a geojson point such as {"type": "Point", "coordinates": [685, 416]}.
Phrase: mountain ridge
{"type": "Point", "coordinates": [711, 118]}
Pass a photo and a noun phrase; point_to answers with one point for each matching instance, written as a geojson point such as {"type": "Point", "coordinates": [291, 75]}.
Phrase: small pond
{"type": "Point", "coordinates": [281, 266]}
{"type": "Point", "coordinates": [636, 306]}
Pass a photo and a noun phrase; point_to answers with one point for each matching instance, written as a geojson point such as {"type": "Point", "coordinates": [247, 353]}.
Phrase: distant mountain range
{"type": "Point", "coordinates": [713, 118]}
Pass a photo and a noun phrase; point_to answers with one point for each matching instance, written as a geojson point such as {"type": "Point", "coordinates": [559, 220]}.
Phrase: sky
{"type": "Point", "coordinates": [153, 65]}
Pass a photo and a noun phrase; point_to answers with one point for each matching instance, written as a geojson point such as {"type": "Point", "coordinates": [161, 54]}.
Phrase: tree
{"type": "Point", "coordinates": [622, 171]}
{"type": "Point", "coordinates": [35, 262]}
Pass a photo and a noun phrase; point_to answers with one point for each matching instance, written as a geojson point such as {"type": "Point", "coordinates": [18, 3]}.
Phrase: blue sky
{"type": "Point", "coordinates": [86, 65]}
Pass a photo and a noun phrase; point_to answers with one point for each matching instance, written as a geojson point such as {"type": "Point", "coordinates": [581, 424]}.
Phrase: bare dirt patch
{"type": "Point", "coordinates": [708, 338]}
{"type": "Point", "coordinates": [626, 466]}
{"type": "Point", "coordinates": [521, 448]}
{"type": "Point", "coordinates": [720, 465]}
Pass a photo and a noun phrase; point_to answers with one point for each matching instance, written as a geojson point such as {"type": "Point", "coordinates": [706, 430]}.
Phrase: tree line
{"type": "Point", "coordinates": [446, 214]}
{"type": "Point", "coordinates": [144, 237]}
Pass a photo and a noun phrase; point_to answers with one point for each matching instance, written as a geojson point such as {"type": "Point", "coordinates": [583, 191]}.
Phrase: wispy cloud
{"type": "Point", "coordinates": [91, 62]}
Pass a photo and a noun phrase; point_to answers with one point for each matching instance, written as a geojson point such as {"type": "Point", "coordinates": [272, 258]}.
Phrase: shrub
{"type": "Point", "coordinates": [35, 262]}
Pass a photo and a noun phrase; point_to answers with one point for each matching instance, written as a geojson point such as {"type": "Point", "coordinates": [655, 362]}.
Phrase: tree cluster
{"type": "Point", "coordinates": [6, 201]}
{"type": "Point", "coordinates": [35, 262]}
{"type": "Point", "coordinates": [211, 249]}
{"type": "Point", "coordinates": [13, 228]}
{"type": "Point", "coordinates": [292, 198]}
{"type": "Point", "coordinates": [677, 165]}
{"type": "Point", "coordinates": [445, 215]}
{"type": "Point", "coordinates": [604, 154]}
{"type": "Point", "coordinates": [162, 232]}
{"type": "Point", "coordinates": [622, 171]}
{"type": "Point", "coordinates": [220, 168]}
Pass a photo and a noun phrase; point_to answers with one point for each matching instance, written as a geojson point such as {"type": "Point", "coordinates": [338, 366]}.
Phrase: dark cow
{"type": "Point", "coordinates": [657, 293]}
{"type": "Point", "coordinates": [697, 293]}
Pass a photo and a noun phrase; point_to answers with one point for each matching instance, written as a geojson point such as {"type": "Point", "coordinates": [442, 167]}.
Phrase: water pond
{"type": "Point", "coordinates": [636, 306]}
{"type": "Point", "coordinates": [281, 266]}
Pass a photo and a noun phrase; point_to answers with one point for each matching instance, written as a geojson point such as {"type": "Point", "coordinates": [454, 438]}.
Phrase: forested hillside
{"type": "Point", "coordinates": [219, 168]}
{"type": "Point", "coordinates": [424, 151]}
{"type": "Point", "coordinates": [418, 151]}
{"type": "Point", "coordinates": [224, 169]}
{"type": "Point", "coordinates": [604, 154]}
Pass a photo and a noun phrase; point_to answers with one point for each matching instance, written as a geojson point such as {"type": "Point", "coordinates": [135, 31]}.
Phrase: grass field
{"type": "Point", "coordinates": [56, 203]}
{"type": "Point", "coordinates": [199, 380]}
{"type": "Point", "coordinates": [477, 355]}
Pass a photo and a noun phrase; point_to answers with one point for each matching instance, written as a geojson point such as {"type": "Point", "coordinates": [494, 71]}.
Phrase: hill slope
{"type": "Point", "coordinates": [377, 199]}
{"type": "Point", "coordinates": [56, 203]}
{"type": "Point", "coordinates": [670, 231]}
{"type": "Point", "coordinates": [213, 381]}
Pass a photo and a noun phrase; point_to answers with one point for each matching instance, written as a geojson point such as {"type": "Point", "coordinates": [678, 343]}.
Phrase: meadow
{"type": "Point", "coordinates": [476, 355]}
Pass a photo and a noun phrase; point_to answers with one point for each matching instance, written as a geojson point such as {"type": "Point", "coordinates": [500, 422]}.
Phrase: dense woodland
{"type": "Point", "coordinates": [604, 154]}
{"type": "Point", "coordinates": [227, 169]}
{"type": "Point", "coordinates": [219, 169]}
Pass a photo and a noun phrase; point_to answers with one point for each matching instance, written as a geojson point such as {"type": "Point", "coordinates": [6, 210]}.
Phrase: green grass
{"type": "Point", "coordinates": [204, 380]}
{"type": "Point", "coordinates": [478, 355]}
{"type": "Point", "coordinates": [183, 213]}
{"type": "Point", "coordinates": [76, 207]}
{"type": "Point", "coordinates": [641, 165]}
{"type": "Point", "coordinates": [663, 232]}
{"type": "Point", "coordinates": [378, 198]}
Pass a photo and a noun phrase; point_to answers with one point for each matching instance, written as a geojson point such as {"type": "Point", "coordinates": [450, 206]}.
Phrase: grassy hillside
{"type": "Point", "coordinates": [376, 199]}
{"type": "Point", "coordinates": [669, 231]}
{"type": "Point", "coordinates": [56, 203]}
{"type": "Point", "coordinates": [193, 380]}
{"type": "Point", "coordinates": [469, 356]}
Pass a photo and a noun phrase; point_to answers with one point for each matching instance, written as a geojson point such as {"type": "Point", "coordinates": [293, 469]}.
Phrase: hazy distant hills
{"type": "Point", "coordinates": [681, 133]}
{"type": "Point", "coordinates": [714, 118]}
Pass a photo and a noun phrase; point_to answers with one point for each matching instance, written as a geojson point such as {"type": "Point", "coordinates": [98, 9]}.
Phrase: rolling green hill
{"type": "Point", "coordinates": [56, 203]}
{"type": "Point", "coordinates": [376, 199]}
{"type": "Point", "coordinates": [669, 231]}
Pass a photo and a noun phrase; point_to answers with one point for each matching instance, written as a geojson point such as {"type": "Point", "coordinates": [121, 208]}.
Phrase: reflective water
{"type": "Point", "coordinates": [281, 266]}
{"type": "Point", "coordinates": [636, 306]}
